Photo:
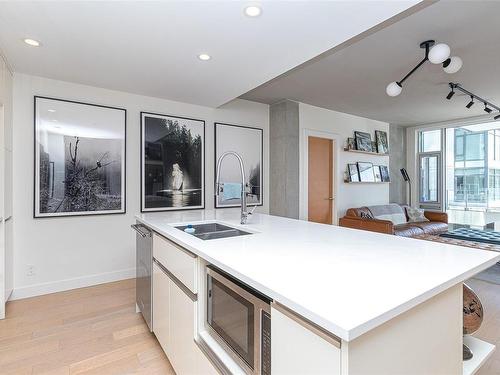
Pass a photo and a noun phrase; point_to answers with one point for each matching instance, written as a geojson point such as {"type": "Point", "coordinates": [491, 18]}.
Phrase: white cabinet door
{"type": "Point", "coordinates": [161, 308]}
{"type": "Point", "coordinates": [204, 366]}
{"type": "Point", "coordinates": [182, 325]}
{"type": "Point", "coordinates": [295, 349]}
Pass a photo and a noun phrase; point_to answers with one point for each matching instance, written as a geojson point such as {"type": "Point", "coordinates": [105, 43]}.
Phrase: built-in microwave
{"type": "Point", "coordinates": [239, 319]}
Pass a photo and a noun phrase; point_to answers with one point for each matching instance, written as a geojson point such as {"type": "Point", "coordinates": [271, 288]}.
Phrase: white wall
{"type": "Point", "coordinates": [6, 255]}
{"type": "Point", "coordinates": [342, 126]}
{"type": "Point", "coordinates": [80, 251]}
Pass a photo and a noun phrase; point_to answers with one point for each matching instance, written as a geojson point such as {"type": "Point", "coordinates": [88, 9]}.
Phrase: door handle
{"type": "Point", "coordinates": [141, 233]}
{"type": "Point", "coordinates": [329, 199]}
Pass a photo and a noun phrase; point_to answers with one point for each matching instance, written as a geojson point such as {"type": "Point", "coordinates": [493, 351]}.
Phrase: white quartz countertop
{"type": "Point", "coordinates": [347, 281]}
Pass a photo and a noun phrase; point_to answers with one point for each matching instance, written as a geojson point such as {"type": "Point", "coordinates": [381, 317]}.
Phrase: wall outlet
{"type": "Point", "coordinates": [30, 270]}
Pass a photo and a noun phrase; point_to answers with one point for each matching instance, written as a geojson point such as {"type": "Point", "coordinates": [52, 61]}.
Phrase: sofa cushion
{"type": "Point", "coordinates": [432, 227]}
{"type": "Point", "coordinates": [392, 212]}
{"type": "Point", "coordinates": [415, 215]}
{"type": "Point", "coordinates": [407, 230]}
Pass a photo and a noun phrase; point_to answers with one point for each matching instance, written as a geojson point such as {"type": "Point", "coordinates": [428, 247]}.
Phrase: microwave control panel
{"type": "Point", "coordinates": [266, 344]}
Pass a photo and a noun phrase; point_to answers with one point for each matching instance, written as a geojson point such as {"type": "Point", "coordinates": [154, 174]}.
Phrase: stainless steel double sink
{"type": "Point", "coordinates": [212, 231]}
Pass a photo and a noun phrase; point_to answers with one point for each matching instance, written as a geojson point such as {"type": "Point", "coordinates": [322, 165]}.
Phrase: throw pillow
{"type": "Point", "coordinates": [366, 216]}
{"type": "Point", "coordinates": [416, 215]}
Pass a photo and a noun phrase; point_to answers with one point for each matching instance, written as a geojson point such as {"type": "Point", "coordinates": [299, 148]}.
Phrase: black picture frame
{"type": "Point", "coordinates": [366, 171]}
{"type": "Point", "coordinates": [382, 143]}
{"type": "Point", "coordinates": [259, 134]}
{"type": "Point", "coordinates": [180, 195]}
{"type": "Point", "coordinates": [352, 170]}
{"type": "Point", "coordinates": [363, 141]}
{"type": "Point", "coordinates": [384, 172]}
{"type": "Point", "coordinates": [37, 120]}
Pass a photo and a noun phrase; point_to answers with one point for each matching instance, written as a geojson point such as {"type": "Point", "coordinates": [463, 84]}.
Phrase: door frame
{"type": "Point", "coordinates": [304, 171]}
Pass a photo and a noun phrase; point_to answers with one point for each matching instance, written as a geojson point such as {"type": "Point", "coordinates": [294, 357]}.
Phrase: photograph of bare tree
{"type": "Point", "coordinates": [172, 163]}
{"type": "Point", "coordinates": [79, 158]}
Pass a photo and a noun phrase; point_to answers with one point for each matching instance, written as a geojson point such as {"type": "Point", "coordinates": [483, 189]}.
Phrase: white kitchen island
{"type": "Point", "coordinates": [394, 304]}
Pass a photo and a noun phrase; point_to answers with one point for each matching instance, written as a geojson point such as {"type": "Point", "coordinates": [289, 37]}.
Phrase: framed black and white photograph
{"type": "Point", "coordinates": [248, 143]}
{"type": "Point", "coordinates": [363, 141]}
{"type": "Point", "coordinates": [384, 172]}
{"type": "Point", "coordinates": [382, 143]}
{"type": "Point", "coordinates": [366, 172]}
{"type": "Point", "coordinates": [351, 144]}
{"type": "Point", "coordinates": [172, 163]}
{"type": "Point", "coordinates": [353, 172]}
{"type": "Point", "coordinates": [80, 153]}
{"type": "Point", "coordinates": [376, 172]}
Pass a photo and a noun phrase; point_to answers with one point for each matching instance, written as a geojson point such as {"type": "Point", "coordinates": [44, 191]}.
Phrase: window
{"type": "Point", "coordinates": [430, 141]}
{"type": "Point", "coordinates": [429, 178]}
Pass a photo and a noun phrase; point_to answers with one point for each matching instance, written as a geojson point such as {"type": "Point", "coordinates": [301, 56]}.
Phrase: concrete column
{"type": "Point", "coordinates": [284, 159]}
{"type": "Point", "coordinates": [397, 152]}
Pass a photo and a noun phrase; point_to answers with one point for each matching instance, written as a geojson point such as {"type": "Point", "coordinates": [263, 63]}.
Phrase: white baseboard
{"type": "Point", "coordinates": [68, 284]}
{"type": "Point", "coordinates": [8, 294]}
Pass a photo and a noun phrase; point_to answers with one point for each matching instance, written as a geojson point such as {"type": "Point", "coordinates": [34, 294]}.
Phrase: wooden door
{"type": "Point", "coordinates": [320, 180]}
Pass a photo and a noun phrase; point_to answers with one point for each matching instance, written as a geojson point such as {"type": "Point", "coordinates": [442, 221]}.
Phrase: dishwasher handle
{"type": "Point", "coordinates": [140, 229]}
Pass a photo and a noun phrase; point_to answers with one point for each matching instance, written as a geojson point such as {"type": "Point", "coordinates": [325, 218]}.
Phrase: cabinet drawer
{"type": "Point", "coordinates": [178, 261]}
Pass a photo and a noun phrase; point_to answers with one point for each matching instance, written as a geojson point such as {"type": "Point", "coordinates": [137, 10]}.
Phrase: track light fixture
{"type": "Point", "coordinates": [488, 106]}
{"type": "Point", "coordinates": [451, 93]}
{"type": "Point", "coordinates": [436, 54]}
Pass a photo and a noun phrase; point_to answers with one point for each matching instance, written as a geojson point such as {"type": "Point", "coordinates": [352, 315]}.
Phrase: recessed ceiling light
{"type": "Point", "coordinates": [204, 57]}
{"type": "Point", "coordinates": [253, 11]}
{"type": "Point", "coordinates": [51, 110]}
{"type": "Point", "coordinates": [32, 42]}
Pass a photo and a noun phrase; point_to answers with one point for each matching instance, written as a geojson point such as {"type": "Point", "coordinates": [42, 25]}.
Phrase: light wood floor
{"type": "Point", "coordinates": [95, 330]}
{"type": "Point", "coordinates": [91, 330]}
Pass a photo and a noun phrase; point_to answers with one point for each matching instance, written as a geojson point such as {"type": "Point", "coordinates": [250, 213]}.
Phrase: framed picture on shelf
{"type": "Point", "coordinates": [351, 144]}
{"type": "Point", "coordinates": [363, 141]}
{"type": "Point", "coordinates": [376, 173]}
{"type": "Point", "coordinates": [384, 172]}
{"type": "Point", "coordinates": [248, 143]}
{"type": "Point", "coordinates": [366, 172]}
{"type": "Point", "coordinates": [382, 143]}
{"type": "Point", "coordinates": [79, 158]}
{"type": "Point", "coordinates": [172, 163]}
{"type": "Point", "coordinates": [353, 172]}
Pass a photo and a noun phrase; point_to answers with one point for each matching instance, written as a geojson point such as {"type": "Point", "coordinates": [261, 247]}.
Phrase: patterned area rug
{"type": "Point", "coordinates": [491, 275]}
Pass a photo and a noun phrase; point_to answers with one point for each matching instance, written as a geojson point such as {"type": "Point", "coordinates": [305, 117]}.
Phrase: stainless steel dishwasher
{"type": "Point", "coordinates": [144, 272]}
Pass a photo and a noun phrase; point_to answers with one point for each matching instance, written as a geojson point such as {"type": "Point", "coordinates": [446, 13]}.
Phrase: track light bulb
{"type": "Point", "coordinates": [450, 94]}
{"type": "Point", "coordinates": [496, 117]}
{"type": "Point", "coordinates": [486, 109]}
{"type": "Point", "coordinates": [393, 89]}
{"type": "Point", "coordinates": [471, 103]}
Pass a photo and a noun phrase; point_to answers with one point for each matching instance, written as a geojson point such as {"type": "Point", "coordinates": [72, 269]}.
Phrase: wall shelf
{"type": "Point", "coordinates": [365, 152]}
{"type": "Point", "coordinates": [482, 350]}
{"type": "Point", "coordinates": [367, 182]}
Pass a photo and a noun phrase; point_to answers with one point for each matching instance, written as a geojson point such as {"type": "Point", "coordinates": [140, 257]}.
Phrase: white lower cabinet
{"type": "Point", "coordinates": [174, 322]}
{"type": "Point", "coordinates": [182, 323]}
{"type": "Point", "coordinates": [297, 349]}
{"type": "Point", "coordinates": [161, 307]}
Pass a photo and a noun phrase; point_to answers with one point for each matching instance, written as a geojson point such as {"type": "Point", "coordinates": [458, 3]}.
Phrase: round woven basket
{"type": "Point", "coordinates": [473, 311]}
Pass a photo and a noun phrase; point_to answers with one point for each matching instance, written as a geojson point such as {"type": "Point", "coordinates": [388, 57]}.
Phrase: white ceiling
{"type": "Point", "coordinates": [151, 48]}
{"type": "Point", "coordinates": [353, 80]}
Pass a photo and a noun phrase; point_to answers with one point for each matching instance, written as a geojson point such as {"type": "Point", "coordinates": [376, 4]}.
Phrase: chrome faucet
{"type": "Point", "coordinates": [244, 212]}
